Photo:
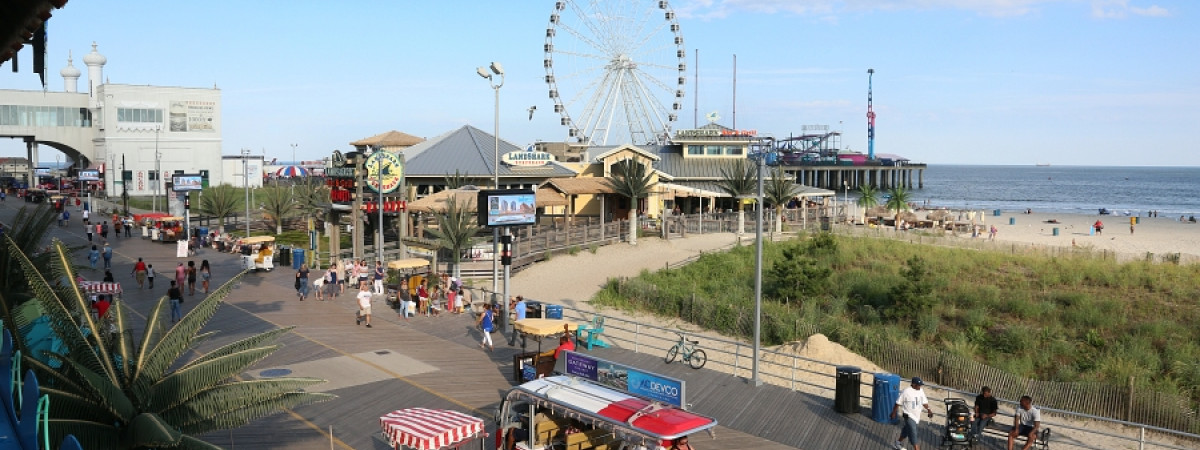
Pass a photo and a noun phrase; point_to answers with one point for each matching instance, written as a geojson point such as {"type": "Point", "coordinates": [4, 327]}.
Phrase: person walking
{"type": "Point", "coordinates": [910, 402]}
{"type": "Point", "coordinates": [61, 217]}
{"type": "Point", "coordinates": [364, 307]}
{"type": "Point", "coordinates": [331, 281]}
{"type": "Point", "coordinates": [88, 229]}
{"type": "Point", "coordinates": [128, 227]}
{"type": "Point", "coordinates": [191, 277]}
{"type": "Point", "coordinates": [379, 273]}
{"type": "Point", "coordinates": [485, 324]}
{"type": "Point", "coordinates": [518, 306]}
{"type": "Point", "coordinates": [205, 274]}
{"type": "Point", "coordinates": [86, 215]}
{"type": "Point", "coordinates": [362, 274]}
{"type": "Point", "coordinates": [452, 301]}
{"type": "Point", "coordinates": [93, 256]}
{"type": "Point", "coordinates": [342, 276]}
{"type": "Point", "coordinates": [180, 275]}
{"type": "Point", "coordinates": [992, 233]}
{"type": "Point", "coordinates": [150, 276]}
{"type": "Point", "coordinates": [104, 230]}
{"type": "Point", "coordinates": [302, 282]}
{"type": "Point", "coordinates": [319, 287]}
{"type": "Point", "coordinates": [176, 297]}
{"type": "Point", "coordinates": [139, 272]}
{"type": "Point", "coordinates": [107, 252]}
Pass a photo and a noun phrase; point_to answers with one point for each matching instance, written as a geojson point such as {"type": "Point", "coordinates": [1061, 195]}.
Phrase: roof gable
{"type": "Point", "coordinates": [472, 152]}
{"type": "Point", "coordinates": [389, 139]}
{"type": "Point", "coordinates": [621, 148]}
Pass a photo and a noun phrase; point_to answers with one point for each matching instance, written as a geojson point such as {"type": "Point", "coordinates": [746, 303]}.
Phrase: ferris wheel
{"type": "Point", "coordinates": [615, 69]}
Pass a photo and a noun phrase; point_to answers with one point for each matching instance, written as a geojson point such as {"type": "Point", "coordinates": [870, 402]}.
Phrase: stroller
{"type": "Point", "coordinates": [958, 424]}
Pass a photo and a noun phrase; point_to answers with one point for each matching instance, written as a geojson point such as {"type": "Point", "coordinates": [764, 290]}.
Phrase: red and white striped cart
{"type": "Point", "coordinates": [100, 287]}
{"type": "Point", "coordinates": [429, 429]}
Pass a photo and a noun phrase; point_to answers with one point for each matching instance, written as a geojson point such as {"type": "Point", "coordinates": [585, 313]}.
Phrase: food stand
{"type": "Point", "coordinates": [258, 253]}
{"type": "Point", "coordinates": [168, 229]}
{"type": "Point", "coordinates": [538, 329]}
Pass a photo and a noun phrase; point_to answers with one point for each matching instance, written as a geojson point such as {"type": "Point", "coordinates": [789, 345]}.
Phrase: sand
{"type": "Point", "coordinates": [571, 280]}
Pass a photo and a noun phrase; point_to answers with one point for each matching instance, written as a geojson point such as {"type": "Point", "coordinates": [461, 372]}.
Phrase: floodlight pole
{"type": "Point", "coordinates": [496, 69]}
{"type": "Point", "coordinates": [246, 186]}
{"type": "Point", "coordinates": [758, 264]}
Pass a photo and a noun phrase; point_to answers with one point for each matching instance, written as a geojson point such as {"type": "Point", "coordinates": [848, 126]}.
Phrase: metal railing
{"type": "Point", "coordinates": [793, 372]}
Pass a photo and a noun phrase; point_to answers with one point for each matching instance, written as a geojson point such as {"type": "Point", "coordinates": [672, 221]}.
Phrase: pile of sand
{"type": "Point", "coordinates": [818, 348]}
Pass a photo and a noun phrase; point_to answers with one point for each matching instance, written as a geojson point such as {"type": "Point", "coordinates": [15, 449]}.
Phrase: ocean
{"type": "Point", "coordinates": [1173, 191]}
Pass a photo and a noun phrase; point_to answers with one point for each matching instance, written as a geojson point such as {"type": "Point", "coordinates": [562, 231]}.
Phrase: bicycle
{"type": "Point", "coordinates": [694, 356]}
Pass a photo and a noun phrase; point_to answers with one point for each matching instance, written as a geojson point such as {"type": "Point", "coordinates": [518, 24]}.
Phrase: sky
{"type": "Point", "coordinates": [1066, 82]}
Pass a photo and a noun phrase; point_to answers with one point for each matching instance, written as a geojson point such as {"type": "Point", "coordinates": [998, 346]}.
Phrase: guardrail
{"type": "Point", "coordinates": [795, 372]}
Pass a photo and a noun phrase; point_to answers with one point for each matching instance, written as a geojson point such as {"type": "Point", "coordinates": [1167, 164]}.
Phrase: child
{"type": "Point", "coordinates": [150, 275]}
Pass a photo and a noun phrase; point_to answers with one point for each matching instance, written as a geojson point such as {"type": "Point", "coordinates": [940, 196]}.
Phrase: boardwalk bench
{"type": "Point", "coordinates": [1042, 441]}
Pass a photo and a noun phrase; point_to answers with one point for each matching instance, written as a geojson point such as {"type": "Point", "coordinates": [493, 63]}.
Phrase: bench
{"type": "Point", "coordinates": [590, 440]}
{"type": "Point", "coordinates": [1042, 441]}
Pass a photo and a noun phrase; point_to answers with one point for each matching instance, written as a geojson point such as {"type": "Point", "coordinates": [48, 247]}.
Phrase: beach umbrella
{"type": "Point", "coordinates": [292, 171]}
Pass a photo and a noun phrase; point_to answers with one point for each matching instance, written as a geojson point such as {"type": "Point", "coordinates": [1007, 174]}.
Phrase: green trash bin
{"type": "Point", "coordinates": [1056, 231]}
{"type": "Point", "coordinates": [1012, 220]}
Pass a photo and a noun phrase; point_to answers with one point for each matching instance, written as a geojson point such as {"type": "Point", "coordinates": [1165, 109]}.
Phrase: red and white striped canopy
{"type": "Point", "coordinates": [100, 287]}
{"type": "Point", "coordinates": [428, 429]}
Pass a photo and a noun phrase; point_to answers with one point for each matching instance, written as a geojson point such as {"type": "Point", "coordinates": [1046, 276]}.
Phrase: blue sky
{"type": "Point", "coordinates": [1068, 82]}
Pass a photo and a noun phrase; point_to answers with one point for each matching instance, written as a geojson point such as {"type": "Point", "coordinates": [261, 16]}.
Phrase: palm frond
{"type": "Point", "coordinates": [236, 418]}
{"type": "Point", "coordinates": [738, 179]}
{"type": "Point", "coordinates": [191, 443]}
{"type": "Point", "coordinates": [50, 376]}
{"type": "Point", "coordinates": [92, 435]}
{"type": "Point", "coordinates": [104, 392]}
{"type": "Point", "coordinates": [233, 396]}
{"type": "Point", "coordinates": [181, 385]}
{"type": "Point", "coordinates": [150, 335]}
{"type": "Point", "coordinates": [630, 179]}
{"type": "Point", "coordinates": [244, 344]}
{"type": "Point", "coordinates": [148, 430]}
{"type": "Point", "coordinates": [67, 404]}
{"type": "Point", "coordinates": [122, 347]}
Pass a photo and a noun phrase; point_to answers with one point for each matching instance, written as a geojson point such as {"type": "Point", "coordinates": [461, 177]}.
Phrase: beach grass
{"type": "Point", "coordinates": [1078, 317]}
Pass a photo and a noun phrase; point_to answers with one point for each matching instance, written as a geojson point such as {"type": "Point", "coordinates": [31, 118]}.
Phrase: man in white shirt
{"type": "Point", "coordinates": [364, 306]}
{"type": "Point", "coordinates": [910, 403]}
{"type": "Point", "coordinates": [1026, 422]}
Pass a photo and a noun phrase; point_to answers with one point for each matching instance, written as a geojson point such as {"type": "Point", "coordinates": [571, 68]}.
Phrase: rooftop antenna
{"type": "Point", "coordinates": [696, 98]}
{"type": "Point", "coordinates": [870, 119]}
{"type": "Point", "coordinates": [734, 91]}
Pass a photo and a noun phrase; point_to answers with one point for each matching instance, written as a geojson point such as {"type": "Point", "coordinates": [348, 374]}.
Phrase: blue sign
{"type": "Point", "coordinates": [655, 387]}
{"type": "Point", "coordinates": [642, 384]}
{"type": "Point", "coordinates": [580, 366]}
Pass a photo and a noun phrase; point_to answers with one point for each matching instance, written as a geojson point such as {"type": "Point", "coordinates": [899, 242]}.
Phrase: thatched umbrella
{"type": "Point", "coordinates": [941, 215]}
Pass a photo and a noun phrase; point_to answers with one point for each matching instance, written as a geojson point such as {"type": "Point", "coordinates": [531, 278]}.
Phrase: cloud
{"type": "Point", "coordinates": [1119, 9]}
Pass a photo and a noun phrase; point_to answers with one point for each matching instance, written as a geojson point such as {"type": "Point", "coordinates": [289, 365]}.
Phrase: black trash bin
{"type": "Point", "coordinates": [285, 256]}
{"type": "Point", "coordinates": [533, 309]}
{"type": "Point", "coordinates": [845, 399]}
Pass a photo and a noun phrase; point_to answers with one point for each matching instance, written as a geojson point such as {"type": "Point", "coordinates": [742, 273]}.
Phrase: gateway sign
{"type": "Point", "coordinates": [527, 159]}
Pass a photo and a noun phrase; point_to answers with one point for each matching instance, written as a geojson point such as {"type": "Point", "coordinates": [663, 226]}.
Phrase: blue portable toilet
{"type": "Point", "coordinates": [297, 258]}
{"type": "Point", "coordinates": [886, 390]}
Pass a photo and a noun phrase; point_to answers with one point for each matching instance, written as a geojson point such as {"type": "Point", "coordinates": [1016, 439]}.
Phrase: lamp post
{"type": "Point", "coordinates": [764, 145]}
{"type": "Point", "coordinates": [246, 186]}
{"type": "Point", "coordinates": [846, 199]}
{"type": "Point", "coordinates": [157, 170]}
{"type": "Point", "coordinates": [379, 199]}
{"type": "Point", "coordinates": [496, 69]}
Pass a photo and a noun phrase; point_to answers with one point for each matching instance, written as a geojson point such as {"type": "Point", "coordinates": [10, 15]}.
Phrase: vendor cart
{"type": "Point", "coordinates": [430, 429]}
{"type": "Point", "coordinates": [170, 229]}
{"type": "Point", "coordinates": [261, 254]}
{"type": "Point", "coordinates": [527, 365]}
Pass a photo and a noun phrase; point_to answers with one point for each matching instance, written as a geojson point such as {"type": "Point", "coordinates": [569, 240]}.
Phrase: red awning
{"type": "Point", "coordinates": [100, 287]}
{"type": "Point", "coordinates": [429, 429]}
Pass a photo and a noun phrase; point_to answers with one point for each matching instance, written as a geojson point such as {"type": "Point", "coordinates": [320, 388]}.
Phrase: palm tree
{"type": "Point", "coordinates": [221, 202]}
{"type": "Point", "coordinates": [739, 179]}
{"type": "Point", "coordinates": [898, 202]}
{"type": "Point", "coordinates": [457, 227]}
{"type": "Point", "coordinates": [277, 204]}
{"type": "Point", "coordinates": [311, 199]}
{"type": "Point", "coordinates": [457, 180]}
{"type": "Point", "coordinates": [110, 393]}
{"type": "Point", "coordinates": [779, 190]}
{"type": "Point", "coordinates": [28, 232]}
{"type": "Point", "coordinates": [631, 180]}
{"type": "Point", "coordinates": [868, 197]}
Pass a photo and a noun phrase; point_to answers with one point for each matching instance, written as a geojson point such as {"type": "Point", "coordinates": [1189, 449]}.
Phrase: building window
{"type": "Point", "coordinates": [695, 149]}
{"type": "Point", "coordinates": [140, 115]}
{"type": "Point", "coordinates": [713, 150]}
{"type": "Point", "coordinates": [44, 116]}
{"type": "Point", "coordinates": [733, 150]}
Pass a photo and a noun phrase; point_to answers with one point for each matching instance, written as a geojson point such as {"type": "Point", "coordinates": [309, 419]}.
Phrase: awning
{"type": "Point", "coordinates": [687, 191]}
{"type": "Point", "coordinates": [100, 287]}
{"type": "Point", "coordinates": [428, 429]}
{"type": "Point", "coordinates": [580, 186]}
{"type": "Point", "coordinates": [410, 263]}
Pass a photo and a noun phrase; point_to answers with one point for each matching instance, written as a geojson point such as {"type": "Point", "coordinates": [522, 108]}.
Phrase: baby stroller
{"type": "Point", "coordinates": [958, 424]}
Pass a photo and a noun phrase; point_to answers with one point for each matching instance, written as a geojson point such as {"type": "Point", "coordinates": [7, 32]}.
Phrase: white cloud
{"type": "Point", "coordinates": [1119, 9]}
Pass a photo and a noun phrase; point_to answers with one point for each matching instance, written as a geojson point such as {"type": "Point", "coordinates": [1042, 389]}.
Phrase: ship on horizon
{"type": "Point", "coordinates": [1043, 164]}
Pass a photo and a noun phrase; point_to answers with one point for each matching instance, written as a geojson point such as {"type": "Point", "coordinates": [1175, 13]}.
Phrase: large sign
{"type": "Point", "coordinates": [41, 171]}
{"type": "Point", "coordinates": [713, 133]}
{"type": "Point", "coordinates": [193, 116]}
{"type": "Point", "coordinates": [624, 378]}
{"type": "Point", "coordinates": [181, 183]}
{"type": "Point", "coordinates": [89, 175]}
{"type": "Point", "coordinates": [506, 207]}
{"type": "Point", "coordinates": [527, 159]}
{"type": "Point", "coordinates": [384, 171]}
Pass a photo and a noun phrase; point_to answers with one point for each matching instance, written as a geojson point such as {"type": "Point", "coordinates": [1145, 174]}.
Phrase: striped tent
{"type": "Point", "coordinates": [429, 429]}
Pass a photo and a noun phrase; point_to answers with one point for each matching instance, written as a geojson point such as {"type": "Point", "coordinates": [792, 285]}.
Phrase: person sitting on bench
{"type": "Point", "coordinates": [1025, 423]}
{"type": "Point", "coordinates": [564, 343]}
{"type": "Point", "coordinates": [985, 408]}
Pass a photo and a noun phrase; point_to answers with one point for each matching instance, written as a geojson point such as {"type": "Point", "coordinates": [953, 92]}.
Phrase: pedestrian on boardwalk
{"type": "Point", "coordinates": [108, 276]}
{"type": "Point", "coordinates": [422, 298]}
{"type": "Point", "coordinates": [364, 307]}
{"type": "Point", "coordinates": [331, 283]}
{"type": "Point", "coordinates": [88, 229]}
{"type": "Point", "coordinates": [910, 402]}
{"type": "Point", "coordinates": [302, 282]}
{"type": "Point", "coordinates": [342, 276]}
{"type": "Point", "coordinates": [176, 297]}
{"type": "Point", "coordinates": [93, 256]}
{"type": "Point", "coordinates": [362, 274]}
{"type": "Point", "coordinates": [104, 230]}
{"type": "Point", "coordinates": [128, 227]}
{"type": "Point", "coordinates": [150, 276]}
{"type": "Point", "coordinates": [180, 276]}
{"type": "Point", "coordinates": [107, 255]}
{"type": "Point", "coordinates": [191, 277]}
{"type": "Point", "coordinates": [464, 299]}
{"type": "Point", "coordinates": [97, 227]}
{"type": "Point", "coordinates": [379, 273]}
{"type": "Point", "coordinates": [319, 286]}
{"type": "Point", "coordinates": [61, 217]}
{"type": "Point", "coordinates": [139, 272]}
{"type": "Point", "coordinates": [205, 274]}
{"type": "Point", "coordinates": [86, 214]}
{"type": "Point", "coordinates": [485, 323]}
{"type": "Point", "coordinates": [452, 301]}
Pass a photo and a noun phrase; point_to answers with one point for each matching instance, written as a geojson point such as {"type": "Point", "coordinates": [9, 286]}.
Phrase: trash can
{"type": "Point", "coordinates": [201, 231]}
{"type": "Point", "coordinates": [297, 258]}
{"type": "Point", "coordinates": [1056, 231]}
{"type": "Point", "coordinates": [554, 312]}
{"type": "Point", "coordinates": [1012, 220]}
{"type": "Point", "coordinates": [825, 223]}
{"type": "Point", "coordinates": [845, 398]}
{"type": "Point", "coordinates": [996, 213]}
{"type": "Point", "coordinates": [285, 256]}
{"type": "Point", "coordinates": [884, 393]}
{"type": "Point", "coordinates": [533, 309]}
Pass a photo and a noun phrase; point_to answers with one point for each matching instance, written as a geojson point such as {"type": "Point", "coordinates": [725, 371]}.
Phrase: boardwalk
{"type": "Point", "coordinates": [435, 362]}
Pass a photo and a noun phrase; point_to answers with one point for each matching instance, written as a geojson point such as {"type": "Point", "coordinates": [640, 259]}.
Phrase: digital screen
{"type": "Point", "coordinates": [89, 175]}
{"type": "Point", "coordinates": [509, 207]}
{"type": "Point", "coordinates": [41, 171]}
{"type": "Point", "coordinates": [182, 183]}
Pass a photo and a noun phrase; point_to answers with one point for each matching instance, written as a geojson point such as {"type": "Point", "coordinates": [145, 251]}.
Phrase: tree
{"type": "Point", "coordinates": [221, 202]}
{"type": "Point", "coordinates": [868, 197]}
{"type": "Point", "coordinates": [778, 191]}
{"type": "Point", "coordinates": [798, 275]}
{"type": "Point", "coordinates": [739, 179]}
{"type": "Point", "coordinates": [277, 204]}
{"type": "Point", "coordinates": [110, 393]}
{"type": "Point", "coordinates": [28, 234]}
{"type": "Point", "coordinates": [897, 201]}
{"type": "Point", "coordinates": [457, 227]}
{"type": "Point", "coordinates": [311, 199]}
{"type": "Point", "coordinates": [631, 180]}
{"type": "Point", "coordinates": [911, 297]}
{"type": "Point", "coordinates": [457, 180]}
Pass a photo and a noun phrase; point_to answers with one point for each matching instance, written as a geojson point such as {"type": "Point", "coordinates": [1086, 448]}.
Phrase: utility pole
{"type": "Point", "coordinates": [124, 186]}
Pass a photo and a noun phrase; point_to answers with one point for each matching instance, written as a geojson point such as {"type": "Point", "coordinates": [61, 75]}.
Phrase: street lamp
{"type": "Point", "coordinates": [496, 69]}
{"type": "Point", "coordinates": [246, 186]}
{"type": "Point", "coordinates": [846, 199]}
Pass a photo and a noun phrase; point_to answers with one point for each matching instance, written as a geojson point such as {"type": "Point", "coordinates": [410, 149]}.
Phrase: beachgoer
{"type": "Point", "coordinates": [180, 275]}
{"type": "Point", "coordinates": [150, 276]}
{"type": "Point", "coordinates": [191, 277]}
{"type": "Point", "coordinates": [484, 323]}
{"type": "Point", "coordinates": [1099, 227]}
{"type": "Point", "coordinates": [176, 296]}
{"type": "Point", "coordinates": [93, 256]}
{"type": "Point", "coordinates": [104, 230]}
{"type": "Point", "coordinates": [452, 301]}
{"type": "Point", "coordinates": [205, 274]}
{"type": "Point", "coordinates": [319, 287]}
{"type": "Point", "coordinates": [139, 272]}
{"type": "Point", "coordinates": [108, 276]}
{"type": "Point", "coordinates": [85, 216]}
{"type": "Point", "coordinates": [89, 229]}
{"type": "Point", "coordinates": [464, 299]}
{"type": "Point", "coordinates": [911, 400]}
{"type": "Point", "coordinates": [1025, 423]}
{"type": "Point", "coordinates": [302, 282]}
{"type": "Point", "coordinates": [992, 233]}
{"type": "Point", "coordinates": [107, 253]}
{"type": "Point", "coordinates": [986, 408]}
{"type": "Point", "coordinates": [331, 281]}
{"type": "Point", "coordinates": [422, 298]}
{"type": "Point", "coordinates": [379, 274]}
{"type": "Point", "coordinates": [362, 273]}
{"type": "Point", "coordinates": [364, 307]}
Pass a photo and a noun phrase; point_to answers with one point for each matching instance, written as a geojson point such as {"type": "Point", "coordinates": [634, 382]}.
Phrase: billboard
{"type": "Point", "coordinates": [507, 207]}
{"type": "Point", "coordinates": [41, 171]}
{"type": "Point", "coordinates": [89, 175]}
{"type": "Point", "coordinates": [621, 377]}
{"type": "Point", "coordinates": [180, 183]}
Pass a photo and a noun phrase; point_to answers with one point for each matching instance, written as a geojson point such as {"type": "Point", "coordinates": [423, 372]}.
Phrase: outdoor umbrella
{"type": "Point", "coordinates": [429, 429]}
{"type": "Point", "coordinates": [292, 171]}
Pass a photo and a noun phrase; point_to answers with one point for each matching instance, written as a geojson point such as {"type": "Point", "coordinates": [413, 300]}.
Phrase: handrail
{"type": "Point", "coordinates": [639, 342]}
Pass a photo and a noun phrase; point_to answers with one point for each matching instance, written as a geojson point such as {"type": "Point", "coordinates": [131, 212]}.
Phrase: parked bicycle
{"type": "Point", "coordinates": [693, 355]}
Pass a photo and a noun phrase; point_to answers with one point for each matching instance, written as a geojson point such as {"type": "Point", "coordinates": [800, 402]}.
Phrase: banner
{"type": "Point", "coordinates": [650, 386]}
